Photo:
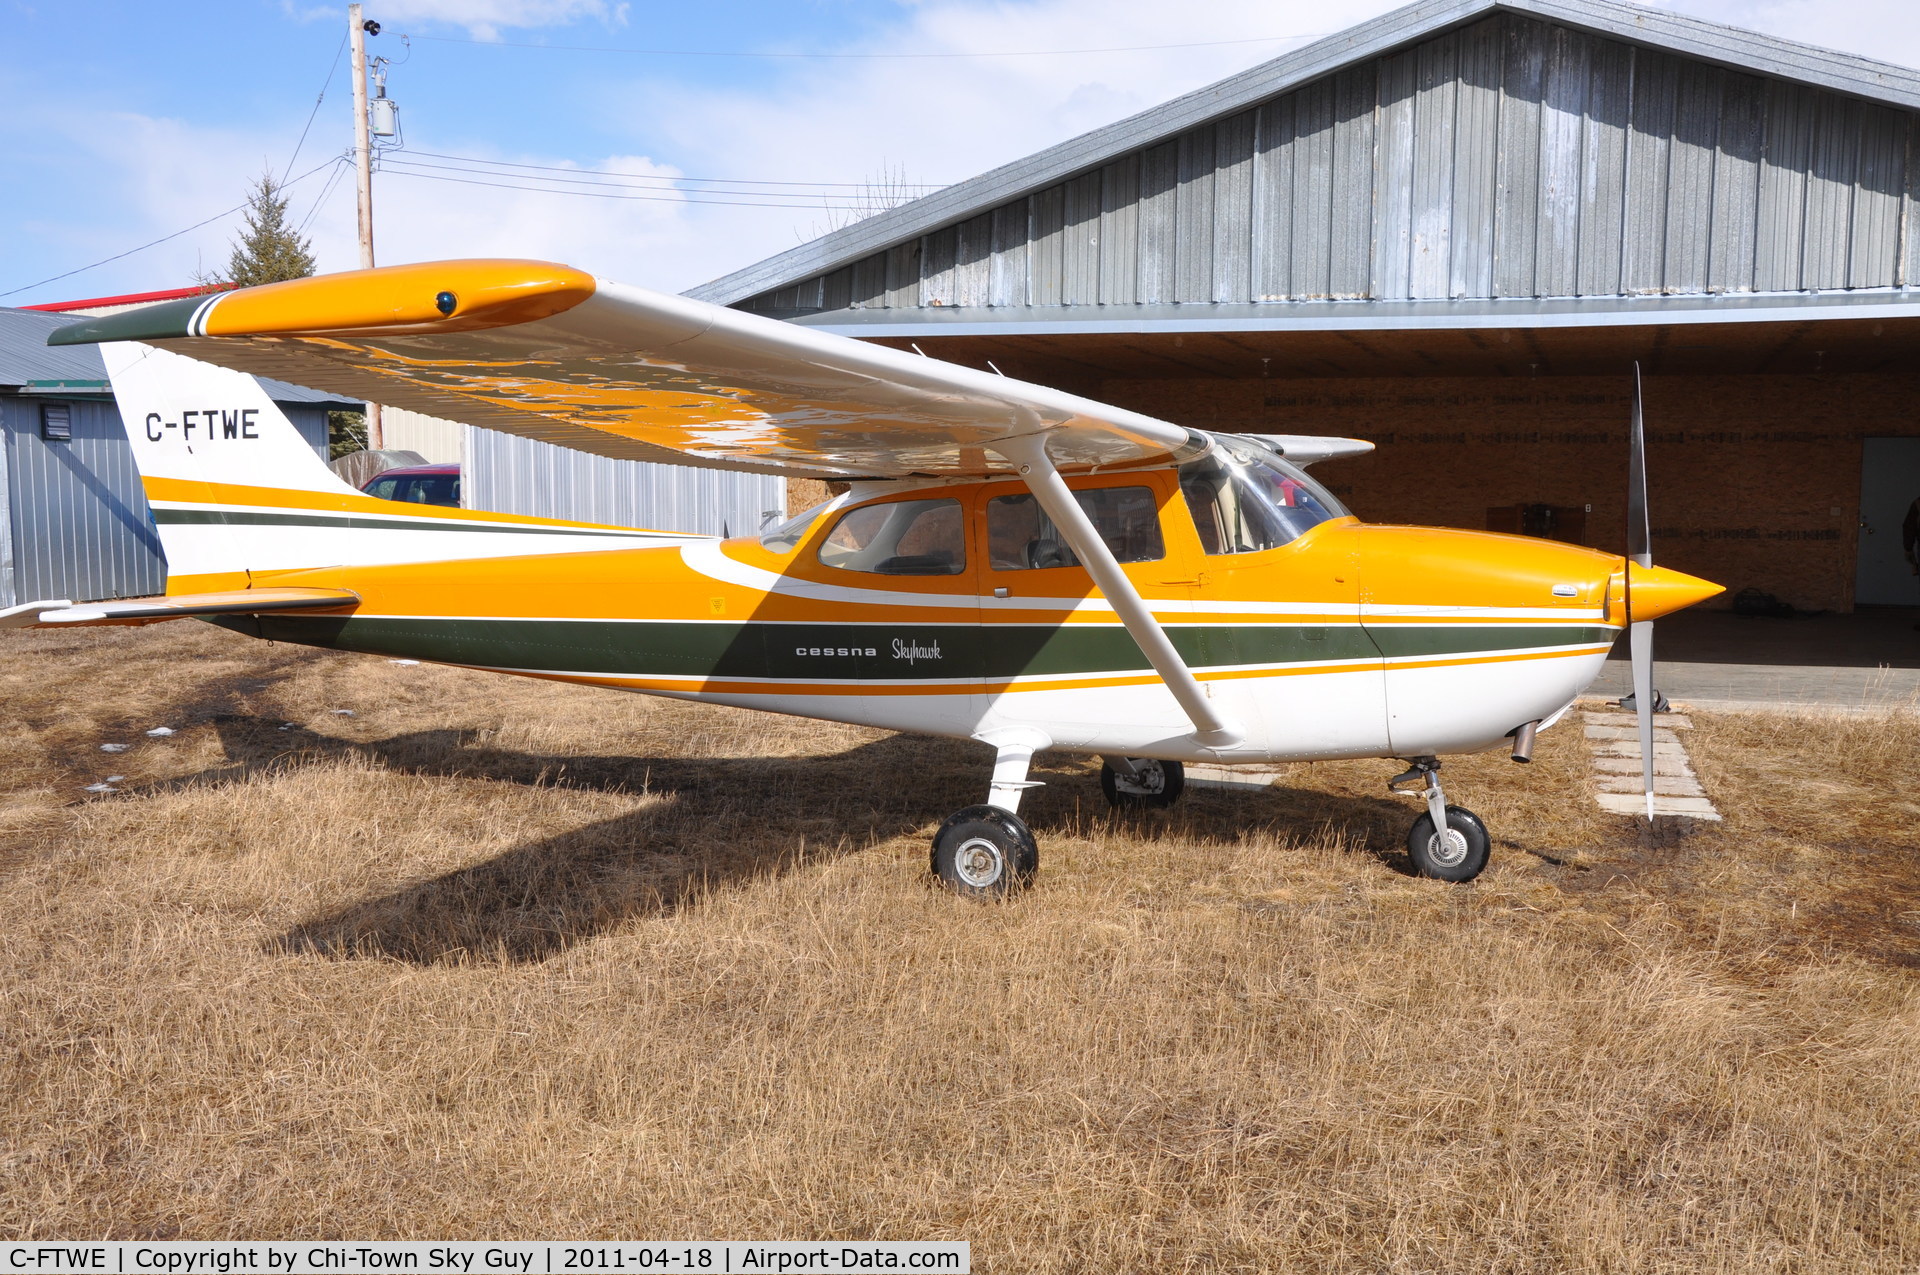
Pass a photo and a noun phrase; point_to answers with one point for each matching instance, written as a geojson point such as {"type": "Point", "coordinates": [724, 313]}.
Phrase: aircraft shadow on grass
{"type": "Point", "coordinates": [715, 822]}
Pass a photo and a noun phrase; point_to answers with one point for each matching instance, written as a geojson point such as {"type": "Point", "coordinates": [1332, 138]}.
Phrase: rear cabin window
{"type": "Point", "coordinates": [1020, 536]}
{"type": "Point", "coordinates": [418, 489]}
{"type": "Point", "coordinates": [1245, 499]}
{"type": "Point", "coordinates": [900, 538]}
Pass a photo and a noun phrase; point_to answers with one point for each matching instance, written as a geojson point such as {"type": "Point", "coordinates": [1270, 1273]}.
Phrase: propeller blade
{"type": "Point", "coordinates": [1639, 530]}
{"type": "Point", "coordinates": [1640, 636]}
{"type": "Point", "coordinates": [1640, 550]}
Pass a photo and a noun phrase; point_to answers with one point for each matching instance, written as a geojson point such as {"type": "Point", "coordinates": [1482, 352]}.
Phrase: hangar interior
{"type": "Point", "coordinates": [1453, 230]}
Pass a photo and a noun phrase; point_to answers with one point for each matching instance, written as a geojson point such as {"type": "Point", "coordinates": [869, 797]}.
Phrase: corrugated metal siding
{"type": "Point", "coordinates": [9, 596]}
{"type": "Point", "coordinates": [1508, 158]}
{"type": "Point", "coordinates": [76, 519]}
{"type": "Point", "coordinates": [509, 474]}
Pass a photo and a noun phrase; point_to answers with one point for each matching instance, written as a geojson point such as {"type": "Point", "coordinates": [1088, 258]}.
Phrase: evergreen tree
{"type": "Point", "coordinates": [270, 250]}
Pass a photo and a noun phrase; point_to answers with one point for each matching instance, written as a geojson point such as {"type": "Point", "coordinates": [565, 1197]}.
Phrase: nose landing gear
{"type": "Point", "coordinates": [1448, 843]}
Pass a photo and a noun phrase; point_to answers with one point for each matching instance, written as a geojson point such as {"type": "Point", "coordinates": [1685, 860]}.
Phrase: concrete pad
{"type": "Point", "coordinates": [1208, 775]}
{"type": "Point", "coordinates": [1663, 785]}
{"type": "Point", "coordinates": [1662, 765]}
{"type": "Point", "coordinates": [1631, 748]}
{"type": "Point", "coordinates": [1672, 721]}
{"type": "Point", "coordinates": [1660, 736]}
{"type": "Point", "coordinates": [1635, 804]}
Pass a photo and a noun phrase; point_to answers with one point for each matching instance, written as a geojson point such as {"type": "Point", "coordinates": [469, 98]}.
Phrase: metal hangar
{"type": "Point", "coordinates": [1452, 230]}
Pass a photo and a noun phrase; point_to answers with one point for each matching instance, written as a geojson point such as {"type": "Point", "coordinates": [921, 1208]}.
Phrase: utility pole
{"type": "Point", "coordinates": [363, 171]}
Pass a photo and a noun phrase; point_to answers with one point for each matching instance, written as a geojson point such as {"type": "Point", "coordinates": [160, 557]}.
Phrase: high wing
{"type": "Point", "coordinates": [548, 352]}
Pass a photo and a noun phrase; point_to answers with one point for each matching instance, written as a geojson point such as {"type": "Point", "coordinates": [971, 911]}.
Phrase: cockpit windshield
{"type": "Point", "coordinates": [1245, 498]}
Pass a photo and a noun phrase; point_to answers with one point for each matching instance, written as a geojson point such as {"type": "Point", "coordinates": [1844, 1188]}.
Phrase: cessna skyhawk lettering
{"type": "Point", "coordinates": [1012, 564]}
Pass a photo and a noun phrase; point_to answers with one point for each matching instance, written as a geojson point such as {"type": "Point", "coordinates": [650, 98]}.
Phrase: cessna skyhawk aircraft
{"type": "Point", "coordinates": [1012, 564]}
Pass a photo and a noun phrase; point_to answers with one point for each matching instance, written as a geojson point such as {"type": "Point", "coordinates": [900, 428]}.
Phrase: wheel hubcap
{"type": "Point", "coordinates": [1148, 780]}
{"type": "Point", "coordinates": [978, 862]}
{"type": "Point", "coordinates": [1447, 849]}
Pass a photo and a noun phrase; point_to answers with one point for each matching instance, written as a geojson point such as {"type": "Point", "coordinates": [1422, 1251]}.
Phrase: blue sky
{"type": "Point", "coordinates": [126, 122]}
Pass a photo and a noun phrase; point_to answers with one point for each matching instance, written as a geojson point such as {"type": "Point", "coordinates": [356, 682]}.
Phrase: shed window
{"type": "Point", "coordinates": [56, 422]}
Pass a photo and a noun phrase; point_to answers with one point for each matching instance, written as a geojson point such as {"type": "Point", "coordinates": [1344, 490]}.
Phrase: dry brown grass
{"type": "Point", "coordinates": [495, 958]}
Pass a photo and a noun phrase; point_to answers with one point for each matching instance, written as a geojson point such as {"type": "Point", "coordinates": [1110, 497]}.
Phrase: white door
{"type": "Point", "coordinates": [1889, 486]}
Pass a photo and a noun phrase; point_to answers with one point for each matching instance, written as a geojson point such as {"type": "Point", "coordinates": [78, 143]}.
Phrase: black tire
{"type": "Point", "coordinates": [1458, 862]}
{"type": "Point", "coordinates": [1158, 785]}
{"type": "Point", "coordinates": [984, 852]}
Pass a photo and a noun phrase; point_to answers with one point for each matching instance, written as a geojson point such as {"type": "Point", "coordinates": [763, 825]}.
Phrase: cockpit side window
{"type": "Point", "coordinates": [899, 538]}
{"type": "Point", "coordinates": [1020, 536]}
{"type": "Point", "coordinates": [1245, 499]}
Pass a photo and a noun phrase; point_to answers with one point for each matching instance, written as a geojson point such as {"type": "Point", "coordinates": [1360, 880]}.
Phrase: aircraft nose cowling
{"type": "Point", "coordinates": [1658, 591]}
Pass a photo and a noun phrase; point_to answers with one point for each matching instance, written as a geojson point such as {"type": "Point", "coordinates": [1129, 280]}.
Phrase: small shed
{"type": "Point", "coordinates": [74, 521]}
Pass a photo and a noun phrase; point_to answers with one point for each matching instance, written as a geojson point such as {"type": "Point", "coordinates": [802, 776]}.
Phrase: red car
{"type": "Point", "coordinates": [418, 485]}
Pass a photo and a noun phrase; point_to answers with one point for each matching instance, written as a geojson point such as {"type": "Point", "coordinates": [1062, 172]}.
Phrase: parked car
{"type": "Point", "coordinates": [418, 485]}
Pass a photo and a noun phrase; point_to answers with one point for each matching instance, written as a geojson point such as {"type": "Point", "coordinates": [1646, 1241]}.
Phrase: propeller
{"type": "Point", "coordinates": [1640, 551]}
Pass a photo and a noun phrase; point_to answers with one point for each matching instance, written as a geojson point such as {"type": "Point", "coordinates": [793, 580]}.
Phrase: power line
{"type": "Point", "coordinates": [728, 53]}
{"type": "Point", "coordinates": [324, 86]}
{"type": "Point", "coordinates": [656, 177]}
{"type": "Point", "coordinates": [403, 163]}
{"type": "Point", "coordinates": [340, 166]}
{"type": "Point", "coordinates": [162, 239]}
{"type": "Point", "coordinates": [597, 194]}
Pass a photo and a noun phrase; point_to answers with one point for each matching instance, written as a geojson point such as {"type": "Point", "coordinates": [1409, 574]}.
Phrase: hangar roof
{"type": "Point", "coordinates": [1454, 162]}
{"type": "Point", "coordinates": [29, 365]}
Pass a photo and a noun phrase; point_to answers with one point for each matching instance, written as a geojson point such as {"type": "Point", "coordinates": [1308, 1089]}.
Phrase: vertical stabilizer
{"type": "Point", "coordinates": [237, 493]}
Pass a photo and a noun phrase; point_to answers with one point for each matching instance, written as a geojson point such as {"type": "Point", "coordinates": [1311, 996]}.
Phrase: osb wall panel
{"type": "Point", "coordinates": [1754, 480]}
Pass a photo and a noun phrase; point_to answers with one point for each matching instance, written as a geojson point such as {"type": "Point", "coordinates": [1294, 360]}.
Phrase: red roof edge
{"type": "Point", "coordinates": [131, 298]}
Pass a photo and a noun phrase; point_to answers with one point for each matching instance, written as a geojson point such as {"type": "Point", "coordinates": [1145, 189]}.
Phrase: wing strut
{"type": "Point", "coordinates": [1212, 729]}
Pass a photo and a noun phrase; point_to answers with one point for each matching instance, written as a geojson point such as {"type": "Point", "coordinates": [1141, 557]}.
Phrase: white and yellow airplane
{"type": "Point", "coordinates": [1012, 564]}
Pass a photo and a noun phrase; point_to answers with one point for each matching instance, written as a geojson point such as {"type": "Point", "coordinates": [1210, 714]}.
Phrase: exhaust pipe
{"type": "Point", "coordinates": [1523, 741]}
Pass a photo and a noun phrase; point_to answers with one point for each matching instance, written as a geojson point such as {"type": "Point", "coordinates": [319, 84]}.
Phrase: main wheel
{"type": "Point", "coordinates": [1154, 785]}
{"type": "Point", "coordinates": [984, 852]}
{"type": "Point", "coordinates": [1459, 854]}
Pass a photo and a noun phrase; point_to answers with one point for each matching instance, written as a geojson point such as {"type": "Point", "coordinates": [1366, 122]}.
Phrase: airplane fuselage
{"type": "Point", "coordinates": [1352, 640]}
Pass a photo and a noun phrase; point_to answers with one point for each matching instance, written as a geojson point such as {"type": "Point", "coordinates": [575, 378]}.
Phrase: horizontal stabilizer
{"type": "Point", "coordinates": [64, 614]}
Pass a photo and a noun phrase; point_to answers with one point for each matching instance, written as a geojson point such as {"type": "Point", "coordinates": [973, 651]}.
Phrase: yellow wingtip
{"type": "Point", "coordinates": [433, 296]}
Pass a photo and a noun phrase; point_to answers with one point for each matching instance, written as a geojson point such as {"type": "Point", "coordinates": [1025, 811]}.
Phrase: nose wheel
{"type": "Point", "coordinates": [1447, 843]}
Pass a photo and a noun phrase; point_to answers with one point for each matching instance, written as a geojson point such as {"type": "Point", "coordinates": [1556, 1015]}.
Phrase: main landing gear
{"type": "Point", "coordinates": [1448, 843]}
{"type": "Point", "coordinates": [987, 852]}
{"type": "Point", "coordinates": [1141, 782]}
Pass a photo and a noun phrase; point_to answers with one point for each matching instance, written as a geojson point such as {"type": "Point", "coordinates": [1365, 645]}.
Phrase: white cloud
{"type": "Point", "coordinates": [1887, 30]}
{"type": "Point", "coordinates": [482, 19]}
{"type": "Point", "coordinates": [928, 119]}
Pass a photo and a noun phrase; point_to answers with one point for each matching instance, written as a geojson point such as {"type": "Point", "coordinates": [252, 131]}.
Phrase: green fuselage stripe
{"type": "Point", "coordinates": [899, 651]}
{"type": "Point", "coordinates": [234, 518]}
